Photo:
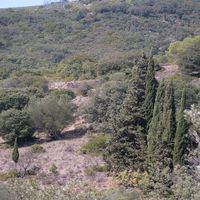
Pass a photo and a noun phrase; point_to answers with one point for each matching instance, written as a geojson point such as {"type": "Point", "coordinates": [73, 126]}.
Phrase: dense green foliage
{"type": "Point", "coordinates": [96, 144]}
{"type": "Point", "coordinates": [180, 142]}
{"type": "Point", "coordinates": [15, 123]}
{"type": "Point", "coordinates": [127, 146]}
{"type": "Point", "coordinates": [17, 99]}
{"type": "Point", "coordinates": [78, 66]}
{"type": "Point", "coordinates": [15, 153]}
{"type": "Point", "coordinates": [153, 134]}
{"type": "Point", "coordinates": [50, 114]}
{"type": "Point", "coordinates": [105, 104]}
{"type": "Point", "coordinates": [168, 125]}
{"type": "Point", "coordinates": [24, 80]}
{"type": "Point", "coordinates": [150, 92]}
{"type": "Point", "coordinates": [186, 54]}
{"type": "Point", "coordinates": [161, 139]}
{"type": "Point", "coordinates": [162, 127]}
{"type": "Point", "coordinates": [42, 37]}
{"type": "Point", "coordinates": [63, 93]}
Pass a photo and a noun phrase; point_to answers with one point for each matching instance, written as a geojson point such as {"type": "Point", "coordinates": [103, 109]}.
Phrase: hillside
{"type": "Point", "coordinates": [100, 100]}
{"type": "Point", "coordinates": [42, 37]}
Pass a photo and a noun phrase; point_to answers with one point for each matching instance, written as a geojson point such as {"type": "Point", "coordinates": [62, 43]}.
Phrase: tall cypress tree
{"type": "Point", "coordinates": [150, 92]}
{"type": "Point", "coordinates": [169, 125]}
{"type": "Point", "coordinates": [180, 142]}
{"type": "Point", "coordinates": [160, 138]}
{"type": "Point", "coordinates": [127, 147]}
{"type": "Point", "coordinates": [155, 127]}
{"type": "Point", "coordinates": [15, 153]}
{"type": "Point", "coordinates": [162, 127]}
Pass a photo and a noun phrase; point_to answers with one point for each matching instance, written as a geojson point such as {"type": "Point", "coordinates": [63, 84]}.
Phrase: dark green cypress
{"type": "Point", "coordinates": [180, 142]}
{"type": "Point", "coordinates": [15, 153]}
{"type": "Point", "coordinates": [155, 127]}
{"type": "Point", "coordinates": [169, 116]}
{"type": "Point", "coordinates": [127, 148]}
{"type": "Point", "coordinates": [169, 125]}
{"type": "Point", "coordinates": [162, 127]}
{"type": "Point", "coordinates": [150, 92]}
{"type": "Point", "coordinates": [160, 138]}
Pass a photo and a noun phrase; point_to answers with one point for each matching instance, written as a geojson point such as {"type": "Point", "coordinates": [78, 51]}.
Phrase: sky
{"type": "Point", "coordinates": [21, 3]}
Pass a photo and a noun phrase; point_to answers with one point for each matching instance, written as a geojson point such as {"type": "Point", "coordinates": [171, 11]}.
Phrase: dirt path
{"type": "Point", "coordinates": [167, 71]}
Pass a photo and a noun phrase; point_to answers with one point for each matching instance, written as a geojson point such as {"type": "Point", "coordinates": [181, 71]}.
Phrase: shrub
{"type": "Point", "coordinates": [36, 148]}
{"type": "Point", "coordinates": [15, 123]}
{"type": "Point", "coordinates": [118, 76]}
{"type": "Point", "coordinates": [17, 99]}
{"type": "Point", "coordinates": [186, 54]}
{"type": "Point", "coordinates": [100, 168]}
{"type": "Point", "coordinates": [77, 66]}
{"type": "Point", "coordinates": [83, 89]}
{"type": "Point", "coordinates": [133, 179]}
{"type": "Point", "coordinates": [109, 65]}
{"type": "Point", "coordinates": [89, 171]}
{"type": "Point", "coordinates": [96, 144]}
{"type": "Point", "coordinates": [68, 94]}
{"type": "Point", "coordinates": [50, 114]}
{"type": "Point", "coordinates": [105, 104]}
{"type": "Point", "coordinates": [26, 80]}
{"type": "Point", "coordinates": [4, 176]}
{"type": "Point", "coordinates": [53, 169]}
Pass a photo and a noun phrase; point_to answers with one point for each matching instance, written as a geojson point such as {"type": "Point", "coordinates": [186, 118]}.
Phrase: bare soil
{"type": "Point", "coordinates": [167, 71]}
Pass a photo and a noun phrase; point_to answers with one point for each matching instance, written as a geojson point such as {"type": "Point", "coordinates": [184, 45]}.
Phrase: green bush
{"type": "Point", "coordinates": [78, 66]}
{"type": "Point", "coordinates": [25, 81]}
{"type": "Point", "coordinates": [89, 171]}
{"type": "Point", "coordinates": [17, 99]}
{"type": "Point", "coordinates": [186, 54]}
{"type": "Point", "coordinates": [105, 104]}
{"type": "Point", "coordinates": [15, 123]}
{"type": "Point", "coordinates": [96, 144]}
{"type": "Point", "coordinates": [100, 168]}
{"type": "Point", "coordinates": [109, 66]}
{"type": "Point", "coordinates": [132, 179]}
{"type": "Point", "coordinates": [4, 176]}
{"type": "Point", "coordinates": [68, 94]}
{"type": "Point", "coordinates": [53, 169]}
{"type": "Point", "coordinates": [36, 148]}
{"type": "Point", "coordinates": [50, 114]}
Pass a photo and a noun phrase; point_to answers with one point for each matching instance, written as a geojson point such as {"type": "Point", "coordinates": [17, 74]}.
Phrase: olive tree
{"type": "Point", "coordinates": [50, 114]}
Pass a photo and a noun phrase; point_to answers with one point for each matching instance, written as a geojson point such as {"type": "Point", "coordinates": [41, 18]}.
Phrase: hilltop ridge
{"type": "Point", "coordinates": [46, 36]}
